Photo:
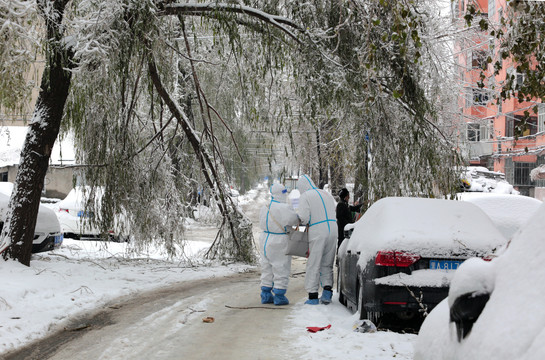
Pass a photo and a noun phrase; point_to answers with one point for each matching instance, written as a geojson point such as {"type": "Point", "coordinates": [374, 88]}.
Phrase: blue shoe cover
{"type": "Point", "coordinates": [279, 297]}
{"type": "Point", "coordinates": [266, 295]}
{"type": "Point", "coordinates": [312, 302]}
{"type": "Point", "coordinates": [326, 297]}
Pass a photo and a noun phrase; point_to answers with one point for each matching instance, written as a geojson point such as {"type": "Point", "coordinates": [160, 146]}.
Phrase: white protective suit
{"type": "Point", "coordinates": [317, 209]}
{"type": "Point", "coordinates": [274, 218]}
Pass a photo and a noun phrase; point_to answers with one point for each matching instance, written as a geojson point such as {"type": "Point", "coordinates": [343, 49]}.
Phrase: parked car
{"type": "Point", "coordinates": [507, 211]}
{"type": "Point", "coordinates": [403, 251]}
{"type": "Point", "coordinates": [47, 234]}
{"type": "Point", "coordinates": [494, 309]}
{"type": "Point", "coordinates": [77, 221]}
{"type": "Point", "coordinates": [480, 179]}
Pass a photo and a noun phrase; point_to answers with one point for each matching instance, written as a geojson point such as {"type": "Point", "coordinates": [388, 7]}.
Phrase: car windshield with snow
{"type": "Point", "coordinates": [404, 251]}
{"type": "Point", "coordinates": [47, 234]}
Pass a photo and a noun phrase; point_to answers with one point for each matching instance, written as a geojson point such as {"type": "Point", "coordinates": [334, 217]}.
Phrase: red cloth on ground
{"type": "Point", "coordinates": [315, 329]}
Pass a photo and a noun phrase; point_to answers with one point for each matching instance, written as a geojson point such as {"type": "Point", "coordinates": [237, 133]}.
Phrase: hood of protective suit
{"type": "Point", "coordinates": [305, 183]}
{"type": "Point", "coordinates": [279, 193]}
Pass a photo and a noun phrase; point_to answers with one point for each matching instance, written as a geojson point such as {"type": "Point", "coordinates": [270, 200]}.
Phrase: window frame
{"type": "Point", "coordinates": [521, 173]}
{"type": "Point", "coordinates": [473, 131]}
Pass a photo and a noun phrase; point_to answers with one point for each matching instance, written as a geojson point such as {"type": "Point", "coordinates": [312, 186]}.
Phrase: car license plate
{"type": "Point", "coordinates": [444, 264]}
{"type": "Point", "coordinates": [85, 214]}
{"type": "Point", "coordinates": [58, 239]}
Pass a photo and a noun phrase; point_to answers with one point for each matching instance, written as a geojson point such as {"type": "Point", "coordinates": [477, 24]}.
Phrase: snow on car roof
{"type": "Point", "coordinates": [508, 212]}
{"type": "Point", "coordinates": [426, 226]}
{"type": "Point", "coordinates": [45, 222]}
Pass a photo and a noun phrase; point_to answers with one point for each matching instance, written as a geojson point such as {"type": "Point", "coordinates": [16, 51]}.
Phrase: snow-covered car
{"type": "Point", "coordinates": [480, 179]}
{"type": "Point", "coordinates": [494, 309]}
{"type": "Point", "coordinates": [76, 221]}
{"type": "Point", "coordinates": [47, 234]}
{"type": "Point", "coordinates": [404, 251]}
{"type": "Point", "coordinates": [508, 212]}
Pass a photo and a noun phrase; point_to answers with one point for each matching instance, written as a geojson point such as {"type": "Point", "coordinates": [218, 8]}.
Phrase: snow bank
{"type": "Point", "coordinates": [81, 276]}
{"type": "Point", "coordinates": [341, 341]}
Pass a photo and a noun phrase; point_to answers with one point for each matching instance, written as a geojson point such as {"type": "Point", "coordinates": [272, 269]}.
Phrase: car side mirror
{"type": "Point", "coordinates": [465, 311]}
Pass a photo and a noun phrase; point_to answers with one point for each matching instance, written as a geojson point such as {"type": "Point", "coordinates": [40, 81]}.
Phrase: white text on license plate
{"type": "Point", "coordinates": [444, 264]}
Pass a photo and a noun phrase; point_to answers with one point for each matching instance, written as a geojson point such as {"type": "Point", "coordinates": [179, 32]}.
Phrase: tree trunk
{"type": "Point", "coordinates": [335, 156]}
{"type": "Point", "coordinates": [41, 136]}
{"type": "Point", "coordinates": [321, 176]}
{"type": "Point", "coordinates": [361, 183]}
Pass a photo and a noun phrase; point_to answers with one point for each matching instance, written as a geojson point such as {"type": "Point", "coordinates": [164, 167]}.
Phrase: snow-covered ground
{"type": "Point", "coordinates": [85, 275]}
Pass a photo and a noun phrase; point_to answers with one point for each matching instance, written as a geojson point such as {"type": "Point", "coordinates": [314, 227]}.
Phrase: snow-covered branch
{"type": "Point", "coordinates": [209, 9]}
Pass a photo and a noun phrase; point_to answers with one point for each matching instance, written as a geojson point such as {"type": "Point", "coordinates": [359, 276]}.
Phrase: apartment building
{"type": "Point", "coordinates": [496, 135]}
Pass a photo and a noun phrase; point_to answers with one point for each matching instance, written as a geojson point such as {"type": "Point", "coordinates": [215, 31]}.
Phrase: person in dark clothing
{"type": "Point", "coordinates": [344, 214]}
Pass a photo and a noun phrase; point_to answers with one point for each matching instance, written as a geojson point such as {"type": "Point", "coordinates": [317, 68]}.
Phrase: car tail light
{"type": "Point", "coordinates": [395, 258]}
{"type": "Point", "coordinates": [65, 210]}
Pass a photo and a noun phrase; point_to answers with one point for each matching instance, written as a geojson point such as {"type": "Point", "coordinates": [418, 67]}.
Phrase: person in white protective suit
{"type": "Point", "coordinates": [275, 264]}
{"type": "Point", "coordinates": [317, 210]}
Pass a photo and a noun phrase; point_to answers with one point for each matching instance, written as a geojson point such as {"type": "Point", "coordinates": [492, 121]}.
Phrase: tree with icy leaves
{"type": "Point", "coordinates": [157, 92]}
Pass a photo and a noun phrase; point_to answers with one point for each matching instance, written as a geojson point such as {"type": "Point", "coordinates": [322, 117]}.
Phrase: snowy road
{"type": "Point", "coordinates": [167, 323]}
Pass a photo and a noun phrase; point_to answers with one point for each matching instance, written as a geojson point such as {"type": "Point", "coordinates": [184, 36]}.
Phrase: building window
{"type": "Point", "coordinates": [517, 126]}
{"type": "Point", "coordinates": [4, 176]}
{"type": "Point", "coordinates": [473, 132]}
{"type": "Point", "coordinates": [516, 77]}
{"type": "Point", "coordinates": [469, 97]}
{"type": "Point", "coordinates": [541, 118]}
{"type": "Point", "coordinates": [480, 97]}
{"type": "Point", "coordinates": [478, 59]}
{"type": "Point", "coordinates": [521, 127]}
{"type": "Point", "coordinates": [491, 9]}
{"type": "Point", "coordinates": [522, 173]}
